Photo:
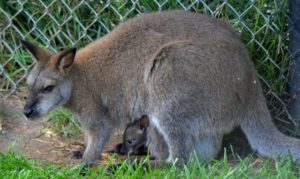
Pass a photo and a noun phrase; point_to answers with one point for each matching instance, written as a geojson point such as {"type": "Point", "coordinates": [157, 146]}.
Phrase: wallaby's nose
{"type": "Point", "coordinates": [28, 111]}
{"type": "Point", "coordinates": [129, 141]}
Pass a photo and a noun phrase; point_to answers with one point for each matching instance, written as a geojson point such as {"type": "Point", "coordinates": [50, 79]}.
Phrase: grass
{"type": "Point", "coordinates": [16, 166]}
{"type": "Point", "coordinates": [63, 123]}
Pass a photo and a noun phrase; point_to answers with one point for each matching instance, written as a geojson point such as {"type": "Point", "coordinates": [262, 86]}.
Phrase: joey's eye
{"type": "Point", "coordinates": [129, 141]}
{"type": "Point", "coordinates": [48, 89]}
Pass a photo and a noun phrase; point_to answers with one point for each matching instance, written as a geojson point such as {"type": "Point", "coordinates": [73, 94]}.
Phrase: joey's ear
{"type": "Point", "coordinates": [66, 59]}
{"type": "Point", "coordinates": [144, 122]}
{"type": "Point", "coordinates": [39, 53]}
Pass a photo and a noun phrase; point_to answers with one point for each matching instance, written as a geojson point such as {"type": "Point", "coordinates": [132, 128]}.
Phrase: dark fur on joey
{"type": "Point", "coordinates": [134, 138]}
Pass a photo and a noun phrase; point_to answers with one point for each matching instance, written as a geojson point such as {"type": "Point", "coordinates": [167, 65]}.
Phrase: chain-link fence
{"type": "Point", "coordinates": [64, 23]}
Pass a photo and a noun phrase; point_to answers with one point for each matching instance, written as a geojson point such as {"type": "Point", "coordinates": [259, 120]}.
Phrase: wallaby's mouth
{"type": "Point", "coordinates": [33, 116]}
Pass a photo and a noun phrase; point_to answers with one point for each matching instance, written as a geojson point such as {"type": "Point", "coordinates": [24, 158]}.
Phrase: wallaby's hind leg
{"type": "Point", "coordinates": [182, 142]}
{"type": "Point", "coordinates": [263, 135]}
{"type": "Point", "coordinates": [157, 144]}
{"type": "Point", "coordinates": [208, 146]}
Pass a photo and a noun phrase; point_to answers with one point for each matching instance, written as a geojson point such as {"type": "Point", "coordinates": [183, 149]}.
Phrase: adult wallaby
{"type": "Point", "coordinates": [189, 73]}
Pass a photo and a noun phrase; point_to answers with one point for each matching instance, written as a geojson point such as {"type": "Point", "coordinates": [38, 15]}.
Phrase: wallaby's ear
{"type": "Point", "coordinates": [66, 59]}
{"type": "Point", "coordinates": [39, 53]}
{"type": "Point", "coordinates": [144, 122]}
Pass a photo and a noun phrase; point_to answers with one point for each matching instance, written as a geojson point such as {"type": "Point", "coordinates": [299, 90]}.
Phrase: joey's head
{"type": "Point", "coordinates": [48, 82]}
{"type": "Point", "coordinates": [135, 135]}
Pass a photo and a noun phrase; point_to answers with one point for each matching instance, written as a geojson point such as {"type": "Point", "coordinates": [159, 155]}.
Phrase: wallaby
{"type": "Point", "coordinates": [134, 138]}
{"type": "Point", "coordinates": [137, 137]}
{"type": "Point", "coordinates": [189, 73]}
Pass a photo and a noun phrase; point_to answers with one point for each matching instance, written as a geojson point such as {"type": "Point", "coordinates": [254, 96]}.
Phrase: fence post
{"type": "Point", "coordinates": [294, 48]}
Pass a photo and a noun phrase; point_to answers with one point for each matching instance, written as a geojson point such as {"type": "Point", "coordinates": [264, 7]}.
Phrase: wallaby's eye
{"type": "Point", "coordinates": [48, 89]}
{"type": "Point", "coordinates": [129, 141]}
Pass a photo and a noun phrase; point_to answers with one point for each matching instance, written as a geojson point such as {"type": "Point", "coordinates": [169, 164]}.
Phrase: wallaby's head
{"type": "Point", "coordinates": [48, 82]}
{"type": "Point", "coordinates": [135, 135]}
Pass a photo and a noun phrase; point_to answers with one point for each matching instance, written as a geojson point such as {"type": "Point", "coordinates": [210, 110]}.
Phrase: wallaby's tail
{"type": "Point", "coordinates": [263, 135]}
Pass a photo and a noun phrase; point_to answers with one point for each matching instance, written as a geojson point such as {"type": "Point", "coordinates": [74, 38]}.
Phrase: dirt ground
{"type": "Point", "coordinates": [29, 138]}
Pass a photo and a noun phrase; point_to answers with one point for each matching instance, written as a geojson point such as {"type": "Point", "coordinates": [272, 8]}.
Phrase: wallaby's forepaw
{"type": "Point", "coordinates": [116, 149]}
{"type": "Point", "coordinates": [77, 154]}
{"type": "Point", "coordinates": [143, 150]}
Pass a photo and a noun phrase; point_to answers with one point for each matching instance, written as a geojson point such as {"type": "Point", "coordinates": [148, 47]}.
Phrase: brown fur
{"type": "Point", "coordinates": [189, 73]}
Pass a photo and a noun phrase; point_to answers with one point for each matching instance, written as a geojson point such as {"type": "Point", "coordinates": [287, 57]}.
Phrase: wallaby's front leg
{"type": "Point", "coordinates": [97, 134]}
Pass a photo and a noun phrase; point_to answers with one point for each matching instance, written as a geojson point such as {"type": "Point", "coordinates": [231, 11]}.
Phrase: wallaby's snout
{"type": "Point", "coordinates": [30, 109]}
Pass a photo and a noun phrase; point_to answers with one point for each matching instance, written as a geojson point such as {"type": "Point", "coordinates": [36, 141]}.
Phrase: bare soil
{"type": "Point", "coordinates": [30, 139]}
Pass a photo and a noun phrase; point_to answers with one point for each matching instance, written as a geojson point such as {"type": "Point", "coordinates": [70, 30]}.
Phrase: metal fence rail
{"type": "Point", "coordinates": [60, 23]}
